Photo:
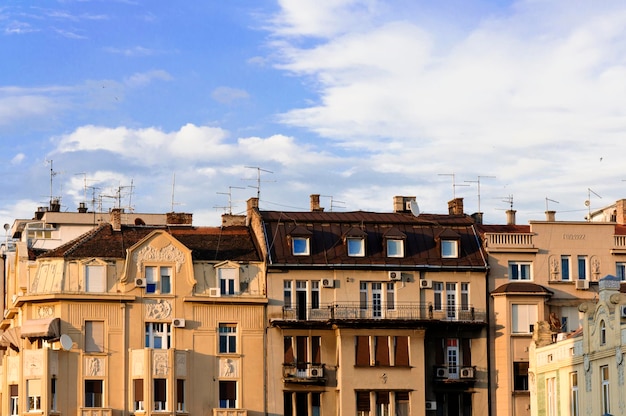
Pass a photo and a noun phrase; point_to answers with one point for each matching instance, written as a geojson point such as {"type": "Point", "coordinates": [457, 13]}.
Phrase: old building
{"type": "Point", "coordinates": [374, 313]}
{"type": "Point", "coordinates": [136, 319]}
{"type": "Point", "coordinates": [542, 271]}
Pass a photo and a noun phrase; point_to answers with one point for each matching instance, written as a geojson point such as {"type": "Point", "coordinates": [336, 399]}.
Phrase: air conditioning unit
{"type": "Point", "coordinates": [178, 323]}
{"type": "Point", "coordinates": [622, 309]}
{"type": "Point", "coordinates": [140, 282]}
{"type": "Point", "coordinates": [328, 283]}
{"type": "Point", "coordinates": [426, 284]}
{"type": "Point", "coordinates": [431, 405]}
{"type": "Point", "coordinates": [215, 292]}
{"type": "Point", "coordinates": [316, 371]}
{"type": "Point", "coordinates": [441, 372]}
{"type": "Point", "coordinates": [582, 284]}
{"type": "Point", "coordinates": [395, 275]}
{"type": "Point", "coordinates": [467, 372]}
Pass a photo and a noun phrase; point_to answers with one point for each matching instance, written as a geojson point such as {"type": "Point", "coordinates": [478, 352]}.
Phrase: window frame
{"type": "Point", "coordinates": [620, 270]}
{"type": "Point", "coordinates": [226, 402]}
{"type": "Point", "coordinates": [606, 389]}
{"type": "Point", "coordinates": [97, 396]}
{"type": "Point", "coordinates": [33, 395]}
{"type": "Point", "coordinates": [228, 281]}
{"type": "Point", "coordinates": [138, 395]}
{"type": "Point", "coordinates": [158, 283]}
{"type": "Point", "coordinates": [449, 248]}
{"type": "Point", "coordinates": [159, 393]}
{"type": "Point", "coordinates": [516, 271]}
{"type": "Point", "coordinates": [95, 338]}
{"type": "Point", "coordinates": [574, 394]}
{"type": "Point", "coordinates": [582, 263]}
{"type": "Point", "coordinates": [566, 267]}
{"type": "Point", "coordinates": [153, 332]}
{"type": "Point", "coordinates": [300, 246]}
{"type": "Point", "coordinates": [520, 376]}
{"type": "Point", "coordinates": [227, 335]}
{"type": "Point", "coordinates": [97, 283]}
{"type": "Point", "coordinates": [528, 313]}
{"type": "Point", "coordinates": [395, 247]}
{"type": "Point", "coordinates": [180, 395]}
{"type": "Point", "coordinates": [357, 243]}
{"type": "Point", "coordinates": [14, 400]}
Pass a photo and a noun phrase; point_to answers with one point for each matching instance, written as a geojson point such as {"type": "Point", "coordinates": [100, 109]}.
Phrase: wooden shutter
{"type": "Point", "coordinates": [382, 397]}
{"type": "Point", "coordinates": [382, 351]}
{"type": "Point", "coordinates": [402, 351]}
{"type": "Point", "coordinates": [13, 390]}
{"type": "Point", "coordinates": [362, 351]}
{"type": "Point", "coordinates": [180, 391]}
{"type": "Point", "coordinates": [301, 352]}
{"type": "Point", "coordinates": [160, 390]}
{"type": "Point", "coordinates": [316, 346]}
{"type": "Point", "coordinates": [363, 401]}
{"type": "Point", "coordinates": [288, 348]}
{"type": "Point", "coordinates": [466, 352]}
{"type": "Point", "coordinates": [138, 388]}
{"type": "Point", "coordinates": [228, 390]}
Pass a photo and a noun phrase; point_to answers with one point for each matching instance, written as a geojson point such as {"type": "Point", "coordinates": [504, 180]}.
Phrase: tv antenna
{"type": "Point", "coordinates": [258, 179]}
{"type": "Point", "coordinates": [454, 184]}
{"type": "Point", "coordinates": [230, 194]}
{"type": "Point", "coordinates": [53, 173]}
{"type": "Point", "coordinates": [550, 200]}
{"type": "Point", "coordinates": [173, 189]}
{"type": "Point", "coordinates": [477, 182]}
{"type": "Point", "coordinates": [509, 200]}
{"type": "Point", "coordinates": [588, 202]}
{"type": "Point", "coordinates": [333, 201]}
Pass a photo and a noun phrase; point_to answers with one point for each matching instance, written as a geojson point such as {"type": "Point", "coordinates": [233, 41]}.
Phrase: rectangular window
{"type": "Point", "coordinates": [93, 393]}
{"type": "Point", "coordinates": [14, 400]}
{"type": "Point", "coordinates": [449, 249]}
{"type": "Point", "coordinates": [395, 248]}
{"type": "Point", "coordinates": [301, 403]}
{"type": "Point", "coordinates": [158, 279]}
{"type": "Point", "coordinates": [620, 270]}
{"type": "Point", "coordinates": [401, 351]}
{"type": "Point", "coordinates": [551, 395]}
{"type": "Point", "coordinates": [582, 267]}
{"type": "Point", "coordinates": [229, 280]}
{"type": "Point", "coordinates": [180, 395]}
{"type": "Point", "coordinates": [382, 403]}
{"type": "Point", "coordinates": [402, 403]}
{"type": "Point", "coordinates": [158, 335]}
{"type": "Point", "coordinates": [438, 294]}
{"type": "Point", "coordinates": [606, 397]}
{"type": "Point", "coordinates": [565, 267]}
{"type": "Point", "coordinates": [391, 296]}
{"type": "Point", "coordinates": [381, 351]}
{"type": "Point", "coordinates": [95, 279]}
{"type": "Point", "coordinates": [160, 394]}
{"type": "Point", "coordinates": [524, 318]}
{"type": "Point", "coordinates": [228, 338]}
{"type": "Point", "coordinates": [300, 246]}
{"type": "Point", "coordinates": [356, 247]}
{"type": "Point", "coordinates": [94, 336]}
{"type": "Point", "coordinates": [519, 270]}
{"type": "Point", "coordinates": [315, 294]}
{"type": "Point", "coordinates": [287, 293]}
{"type": "Point", "coordinates": [520, 376]}
{"type": "Point", "coordinates": [33, 391]}
{"type": "Point", "coordinates": [363, 295]}
{"type": "Point", "coordinates": [362, 351]}
{"type": "Point", "coordinates": [574, 394]}
{"type": "Point", "coordinates": [363, 403]}
{"type": "Point", "coordinates": [228, 394]}
{"type": "Point", "coordinates": [289, 357]}
{"type": "Point", "coordinates": [138, 394]}
{"type": "Point", "coordinates": [53, 394]}
{"type": "Point", "coordinates": [465, 297]}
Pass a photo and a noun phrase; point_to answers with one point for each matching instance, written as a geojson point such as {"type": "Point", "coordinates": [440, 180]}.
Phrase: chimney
{"type": "Point", "coordinates": [116, 219]}
{"type": "Point", "coordinates": [82, 208]}
{"type": "Point", "coordinates": [510, 217]}
{"type": "Point", "coordinates": [455, 207]}
{"type": "Point", "coordinates": [551, 216]}
{"type": "Point", "coordinates": [230, 220]}
{"type": "Point", "coordinates": [620, 214]}
{"type": "Point", "coordinates": [178, 218]}
{"type": "Point", "coordinates": [402, 203]}
{"type": "Point", "coordinates": [477, 217]}
{"type": "Point", "coordinates": [252, 204]}
{"type": "Point", "coordinates": [315, 203]}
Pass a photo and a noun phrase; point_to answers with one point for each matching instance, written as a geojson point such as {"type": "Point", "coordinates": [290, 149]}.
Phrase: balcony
{"type": "Point", "coordinates": [334, 312]}
{"type": "Point", "coordinates": [453, 374]}
{"type": "Point", "coordinates": [619, 242]}
{"type": "Point", "coordinates": [95, 411]}
{"type": "Point", "coordinates": [304, 373]}
{"type": "Point", "coordinates": [230, 412]}
{"type": "Point", "coordinates": [510, 242]}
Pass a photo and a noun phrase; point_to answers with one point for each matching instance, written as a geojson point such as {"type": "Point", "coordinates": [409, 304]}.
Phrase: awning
{"type": "Point", "coordinates": [47, 328]}
{"type": "Point", "coordinates": [11, 338]}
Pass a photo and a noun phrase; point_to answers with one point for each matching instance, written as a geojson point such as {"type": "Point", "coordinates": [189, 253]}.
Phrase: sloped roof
{"type": "Point", "coordinates": [206, 243]}
{"type": "Point", "coordinates": [525, 288]}
{"type": "Point", "coordinates": [502, 228]}
{"type": "Point", "coordinates": [329, 229]}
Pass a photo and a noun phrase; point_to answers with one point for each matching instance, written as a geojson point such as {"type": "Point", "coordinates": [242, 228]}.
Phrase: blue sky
{"type": "Point", "coordinates": [355, 100]}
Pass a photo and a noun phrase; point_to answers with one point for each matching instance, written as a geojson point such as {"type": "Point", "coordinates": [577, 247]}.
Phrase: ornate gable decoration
{"type": "Point", "coordinates": [168, 254]}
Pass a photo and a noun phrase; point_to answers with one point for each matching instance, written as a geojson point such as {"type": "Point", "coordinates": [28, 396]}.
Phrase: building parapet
{"type": "Point", "coordinates": [510, 241]}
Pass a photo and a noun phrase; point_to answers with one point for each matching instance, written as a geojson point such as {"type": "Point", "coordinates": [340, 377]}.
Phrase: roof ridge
{"type": "Point", "coordinates": [83, 239]}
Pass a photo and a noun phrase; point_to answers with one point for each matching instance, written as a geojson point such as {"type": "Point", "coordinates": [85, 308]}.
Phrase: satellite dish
{"type": "Point", "coordinates": [66, 342]}
{"type": "Point", "coordinates": [6, 227]}
{"type": "Point", "coordinates": [415, 209]}
{"type": "Point", "coordinates": [587, 202]}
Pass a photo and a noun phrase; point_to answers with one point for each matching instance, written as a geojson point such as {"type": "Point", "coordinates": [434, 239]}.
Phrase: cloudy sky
{"type": "Point", "coordinates": [190, 106]}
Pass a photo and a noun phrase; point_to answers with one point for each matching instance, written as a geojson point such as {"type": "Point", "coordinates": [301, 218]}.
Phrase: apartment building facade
{"type": "Point", "coordinates": [542, 272]}
{"type": "Point", "coordinates": [136, 319]}
{"type": "Point", "coordinates": [374, 313]}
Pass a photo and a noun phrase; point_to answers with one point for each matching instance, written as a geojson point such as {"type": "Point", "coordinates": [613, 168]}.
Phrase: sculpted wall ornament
{"type": "Point", "coordinates": [160, 363]}
{"type": "Point", "coordinates": [160, 309]}
{"type": "Point", "coordinates": [94, 366]}
{"type": "Point", "coordinates": [45, 311]}
{"type": "Point", "coordinates": [181, 364]}
{"type": "Point", "coordinates": [168, 253]}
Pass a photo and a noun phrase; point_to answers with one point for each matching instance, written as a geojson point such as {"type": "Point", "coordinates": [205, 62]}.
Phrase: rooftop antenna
{"type": "Point", "coordinates": [588, 202]}
{"type": "Point", "coordinates": [454, 184]}
{"type": "Point", "coordinates": [53, 173]}
{"type": "Point", "coordinates": [509, 200]}
{"type": "Point", "coordinates": [230, 194]}
{"type": "Point", "coordinates": [477, 181]}
{"type": "Point", "coordinates": [258, 179]}
{"type": "Point", "coordinates": [333, 202]}
{"type": "Point", "coordinates": [173, 188]}
{"type": "Point", "coordinates": [550, 200]}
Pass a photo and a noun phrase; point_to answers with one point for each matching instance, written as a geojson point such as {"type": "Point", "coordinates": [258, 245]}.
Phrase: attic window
{"type": "Point", "coordinates": [356, 247]}
{"type": "Point", "coordinates": [300, 246]}
{"type": "Point", "coordinates": [394, 241]}
{"type": "Point", "coordinates": [449, 249]}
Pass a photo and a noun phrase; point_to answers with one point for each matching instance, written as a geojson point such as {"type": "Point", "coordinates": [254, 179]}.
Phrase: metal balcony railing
{"type": "Point", "coordinates": [462, 373]}
{"type": "Point", "coordinates": [304, 372]}
{"type": "Point", "coordinates": [382, 310]}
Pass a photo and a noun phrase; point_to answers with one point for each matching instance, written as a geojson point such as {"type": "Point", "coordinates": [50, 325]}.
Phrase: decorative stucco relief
{"type": "Point", "coordinates": [94, 366]}
{"type": "Point", "coordinates": [168, 253]}
{"type": "Point", "coordinates": [45, 311]}
{"type": "Point", "coordinates": [158, 309]}
{"type": "Point", "coordinates": [160, 363]}
{"type": "Point", "coordinates": [229, 367]}
{"type": "Point", "coordinates": [181, 364]}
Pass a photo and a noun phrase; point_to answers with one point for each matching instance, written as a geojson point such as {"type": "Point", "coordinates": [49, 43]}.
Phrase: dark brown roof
{"type": "Point", "coordinates": [206, 243]}
{"type": "Point", "coordinates": [503, 228]}
{"type": "Point", "coordinates": [523, 288]}
{"type": "Point", "coordinates": [329, 230]}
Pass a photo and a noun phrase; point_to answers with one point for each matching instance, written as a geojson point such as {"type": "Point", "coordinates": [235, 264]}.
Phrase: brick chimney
{"type": "Point", "coordinates": [455, 207]}
{"type": "Point", "coordinates": [315, 203]}
{"type": "Point", "coordinates": [510, 217]}
{"type": "Point", "coordinates": [116, 218]}
{"type": "Point", "coordinates": [402, 203]}
{"type": "Point", "coordinates": [178, 218]}
{"type": "Point", "coordinates": [230, 219]}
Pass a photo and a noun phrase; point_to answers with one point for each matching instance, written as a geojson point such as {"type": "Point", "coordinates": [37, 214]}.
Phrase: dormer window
{"type": "Point", "coordinates": [355, 242]}
{"type": "Point", "coordinates": [300, 238]}
{"type": "Point", "coordinates": [394, 242]}
{"type": "Point", "coordinates": [449, 242]}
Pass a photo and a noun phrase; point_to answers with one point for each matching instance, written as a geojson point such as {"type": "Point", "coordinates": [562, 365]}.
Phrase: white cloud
{"type": "Point", "coordinates": [228, 95]}
{"type": "Point", "coordinates": [141, 79]}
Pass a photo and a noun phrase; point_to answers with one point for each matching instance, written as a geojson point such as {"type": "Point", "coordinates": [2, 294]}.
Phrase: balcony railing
{"type": "Point", "coordinates": [509, 240]}
{"type": "Point", "coordinates": [306, 373]}
{"type": "Point", "coordinates": [230, 412]}
{"type": "Point", "coordinates": [620, 241]}
{"type": "Point", "coordinates": [461, 373]}
{"type": "Point", "coordinates": [95, 411]}
{"type": "Point", "coordinates": [382, 310]}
